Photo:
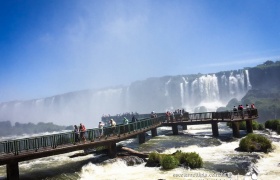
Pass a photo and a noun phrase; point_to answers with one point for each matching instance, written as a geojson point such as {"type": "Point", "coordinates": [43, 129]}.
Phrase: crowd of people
{"type": "Point", "coordinates": [80, 131]}
{"type": "Point", "coordinates": [177, 115]}
{"type": "Point", "coordinates": [239, 110]}
{"type": "Point", "coordinates": [171, 116]}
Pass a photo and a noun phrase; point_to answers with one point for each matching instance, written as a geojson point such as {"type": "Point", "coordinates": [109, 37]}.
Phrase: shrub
{"type": "Point", "coordinates": [272, 124]}
{"type": "Point", "coordinates": [193, 160]}
{"type": "Point", "coordinates": [275, 123]}
{"type": "Point", "coordinates": [242, 125]}
{"type": "Point", "coordinates": [261, 127]}
{"type": "Point", "coordinates": [278, 129]}
{"type": "Point", "coordinates": [268, 124]}
{"type": "Point", "coordinates": [255, 125]}
{"type": "Point", "coordinates": [255, 142]}
{"type": "Point", "coordinates": [154, 157]}
{"type": "Point", "coordinates": [169, 162]}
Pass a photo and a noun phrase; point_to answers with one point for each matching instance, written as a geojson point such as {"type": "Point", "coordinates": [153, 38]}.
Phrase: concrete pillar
{"type": "Point", "coordinates": [215, 129]}
{"type": "Point", "coordinates": [112, 150]}
{"type": "Point", "coordinates": [185, 127]}
{"type": "Point", "coordinates": [12, 171]}
{"type": "Point", "coordinates": [249, 126]}
{"type": "Point", "coordinates": [175, 129]}
{"type": "Point", "coordinates": [235, 129]}
{"type": "Point", "coordinates": [141, 137]}
{"type": "Point", "coordinates": [154, 132]}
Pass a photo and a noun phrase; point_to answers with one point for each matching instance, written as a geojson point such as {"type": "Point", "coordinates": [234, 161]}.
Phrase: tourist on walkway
{"type": "Point", "coordinates": [240, 109]}
{"type": "Point", "coordinates": [133, 119]}
{"type": "Point", "coordinates": [125, 120]}
{"type": "Point", "coordinates": [82, 132]}
{"type": "Point", "coordinates": [77, 133]}
{"type": "Point", "coordinates": [234, 112]}
{"type": "Point", "coordinates": [153, 114]}
{"type": "Point", "coordinates": [113, 126]}
{"type": "Point", "coordinates": [181, 115]}
{"type": "Point", "coordinates": [100, 126]}
{"type": "Point", "coordinates": [252, 106]}
{"type": "Point", "coordinates": [167, 114]}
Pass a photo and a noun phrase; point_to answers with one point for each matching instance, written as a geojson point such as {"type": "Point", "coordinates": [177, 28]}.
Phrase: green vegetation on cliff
{"type": "Point", "coordinates": [265, 92]}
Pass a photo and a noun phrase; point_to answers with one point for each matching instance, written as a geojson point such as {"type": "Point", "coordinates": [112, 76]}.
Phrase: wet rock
{"type": "Point", "coordinates": [129, 160]}
{"type": "Point", "coordinates": [109, 161]}
{"type": "Point", "coordinates": [132, 160]}
{"type": "Point", "coordinates": [152, 164]}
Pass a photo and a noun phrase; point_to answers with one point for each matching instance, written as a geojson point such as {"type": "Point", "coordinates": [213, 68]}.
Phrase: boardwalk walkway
{"type": "Point", "coordinates": [14, 151]}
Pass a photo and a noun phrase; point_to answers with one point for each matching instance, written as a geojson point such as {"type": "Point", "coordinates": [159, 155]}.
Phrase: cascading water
{"type": "Point", "coordinates": [211, 91]}
{"type": "Point", "coordinates": [249, 86]}
{"type": "Point", "coordinates": [182, 93]}
{"type": "Point", "coordinates": [158, 94]}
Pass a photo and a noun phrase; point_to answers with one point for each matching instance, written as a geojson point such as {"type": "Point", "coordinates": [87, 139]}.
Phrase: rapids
{"type": "Point", "coordinates": [221, 160]}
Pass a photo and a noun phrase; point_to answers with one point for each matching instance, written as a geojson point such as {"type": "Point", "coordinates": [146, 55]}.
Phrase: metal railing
{"type": "Point", "coordinates": [246, 113]}
{"type": "Point", "coordinates": [54, 140]}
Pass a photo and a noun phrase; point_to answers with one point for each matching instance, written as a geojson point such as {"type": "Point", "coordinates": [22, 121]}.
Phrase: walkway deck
{"type": "Point", "coordinates": [14, 151]}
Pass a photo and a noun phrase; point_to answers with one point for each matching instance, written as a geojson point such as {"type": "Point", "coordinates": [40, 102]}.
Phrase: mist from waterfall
{"type": "Point", "coordinates": [156, 94]}
{"type": "Point", "coordinates": [212, 90]}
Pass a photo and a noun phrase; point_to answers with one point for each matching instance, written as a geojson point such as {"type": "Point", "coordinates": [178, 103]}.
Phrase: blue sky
{"type": "Point", "coordinates": [50, 47]}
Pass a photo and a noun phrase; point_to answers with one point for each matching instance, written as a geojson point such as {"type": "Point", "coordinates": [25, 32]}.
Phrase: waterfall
{"type": "Point", "coordinates": [188, 92]}
{"type": "Point", "coordinates": [249, 86]}
{"type": "Point", "coordinates": [182, 94]}
{"type": "Point", "coordinates": [224, 80]}
{"type": "Point", "coordinates": [166, 87]}
{"type": "Point", "coordinates": [233, 85]}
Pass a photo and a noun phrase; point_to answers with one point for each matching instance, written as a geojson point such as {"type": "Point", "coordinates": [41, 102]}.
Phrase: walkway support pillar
{"type": "Point", "coordinates": [185, 127]}
{"type": "Point", "coordinates": [141, 137]}
{"type": "Point", "coordinates": [154, 132]}
{"type": "Point", "coordinates": [215, 129]}
{"type": "Point", "coordinates": [175, 129]}
{"type": "Point", "coordinates": [235, 129]}
{"type": "Point", "coordinates": [112, 150]}
{"type": "Point", "coordinates": [249, 126]}
{"type": "Point", "coordinates": [12, 171]}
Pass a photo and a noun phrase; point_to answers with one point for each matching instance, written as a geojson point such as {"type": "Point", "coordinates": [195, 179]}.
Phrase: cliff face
{"type": "Point", "coordinates": [265, 77]}
{"type": "Point", "coordinates": [154, 94]}
{"type": "Point", "coordinates": [265, 92]}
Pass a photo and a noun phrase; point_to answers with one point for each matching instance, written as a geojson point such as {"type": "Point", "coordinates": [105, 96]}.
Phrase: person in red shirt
{"type": "Point", "coordinates": [82, 132]}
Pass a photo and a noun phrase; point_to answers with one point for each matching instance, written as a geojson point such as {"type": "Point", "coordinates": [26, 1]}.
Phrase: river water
{"type": "Point", "coordinates": [221, 160]}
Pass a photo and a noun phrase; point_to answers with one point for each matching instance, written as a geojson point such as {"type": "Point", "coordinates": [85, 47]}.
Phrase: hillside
{"type": "Point", "coordinates": [265, 92]}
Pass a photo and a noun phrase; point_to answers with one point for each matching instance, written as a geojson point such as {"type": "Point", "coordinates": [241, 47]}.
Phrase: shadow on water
{"type": "Point", "coordinates": [67, 171]}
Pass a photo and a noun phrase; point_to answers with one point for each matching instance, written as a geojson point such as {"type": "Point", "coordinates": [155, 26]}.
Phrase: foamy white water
{"type": "Point", "coordinates": [223, 154]}
{"type": "Point", "coordinates": [267, 166]}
